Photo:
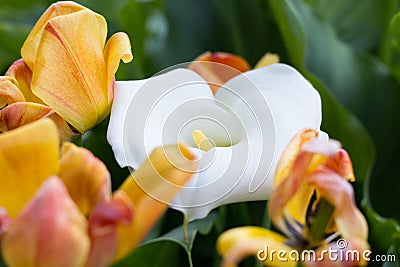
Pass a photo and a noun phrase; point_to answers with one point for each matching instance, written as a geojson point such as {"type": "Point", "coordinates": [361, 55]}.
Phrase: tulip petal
{"type": "Point", "coordinates": [291, 198]}
{"type": "Point", "coordinates": [23, 74]}
{"type": "Point", "coordinates": [78, 88]}
{"type": "Point", "coordinates": [118, 48]}
{"type": "Point", "coordinates": [103, 223]}
{"type": "Point", "coordinates": [21, 113]}
{"type": "Point", "coordinates": [9, 91]}
{"type": "Point", "coordinates": [339, 193]}
{"type": "Point", "coordinates": [218, 68]}
{"type": "Point", "coordinates": [238, 243]}
{"type": "Point", "coordinates": [37, 142]}
{"type": "Point", "coordinates": [85, 176]}
{"type": "Point", "coordinates": [5, 222]}
{"type": "Point", "coordinates": [32, 42]}
{"type": "Point", "coordinates": [151, 188]}
{"type": "Point", "coordinates": [50, 231]}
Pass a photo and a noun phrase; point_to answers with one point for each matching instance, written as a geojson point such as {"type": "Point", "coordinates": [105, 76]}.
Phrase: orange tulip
{"type": "Point", "coordinates": [219, 67]}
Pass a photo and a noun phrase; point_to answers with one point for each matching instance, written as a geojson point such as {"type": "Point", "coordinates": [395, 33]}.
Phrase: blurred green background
{"type": "Point", "coordinates": [348, 49]}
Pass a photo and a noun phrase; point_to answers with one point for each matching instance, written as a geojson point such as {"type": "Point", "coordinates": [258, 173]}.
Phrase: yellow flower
{"type": "Point", "coordinates": [45, 199]}
{"type": "Point", "coordinates": [66, 69]}
{"type": "Point", "coordinates": [312, 204]}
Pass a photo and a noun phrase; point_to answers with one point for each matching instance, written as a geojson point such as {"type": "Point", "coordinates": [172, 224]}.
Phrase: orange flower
{"type": "Point", "coordinates": [219, 67]}
{"type": "Point", "coordinates": [312, 174]}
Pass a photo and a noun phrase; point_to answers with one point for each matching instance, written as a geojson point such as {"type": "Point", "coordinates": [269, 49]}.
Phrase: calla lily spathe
{"type": "Point", "coordinates": [248, 122]}
{"type": "Point", "coordinates": [67, 71]}
{"type": "Point", "coordinates": [42, 185]}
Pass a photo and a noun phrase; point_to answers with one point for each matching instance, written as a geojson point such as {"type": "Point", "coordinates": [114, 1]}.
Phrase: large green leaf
{"type": "Point", "coordinates": [364, 86]}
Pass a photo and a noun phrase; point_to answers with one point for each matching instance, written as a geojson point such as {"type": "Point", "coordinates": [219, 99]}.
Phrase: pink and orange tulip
{"type": "Point", "coordinates": [312, 205]}
{"type": "Point", "coordinates": [45, 200]}
{"type": "Point", "coordinates": [66, 71]}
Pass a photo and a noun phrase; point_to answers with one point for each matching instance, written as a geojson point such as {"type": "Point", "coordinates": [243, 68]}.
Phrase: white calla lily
{"type": "Point", "coordinates": [241, 131]}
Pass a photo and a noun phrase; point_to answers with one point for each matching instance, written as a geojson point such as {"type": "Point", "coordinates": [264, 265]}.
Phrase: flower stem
{"type": "Point", "coordinates": [319, 222]}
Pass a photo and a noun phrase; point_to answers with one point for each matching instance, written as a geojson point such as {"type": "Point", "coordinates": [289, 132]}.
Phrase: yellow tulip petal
{"type": "Point", "coordinates": [154, 184]}
{"type": "Point", "coordinates": [23, 74]}
{"type": "Point", "coordinates": [218, 68]}
{"type": "Point", "coordinates": [267, 59]}
{"type": "Point", "coordinates": [70, 73]}
{"type": "Point", "coordinates": [32, 42]}
{"type": "Point", "coordinates": [291, 152]}
{"type": "Point", "coordinates": [9, 91]}
{"type": "Point", "coordinates": [350, 222]}
{"type": "Point", "coordinates": [103, 223]}
{"type": "Point", "coordinates": [118, 48]}
{"type": "Point", "coordinates": [238, 243]}
{"type": "Point", "coordinates": [28, 156]}
{"type": "Point", "coordinates": [85, 176]}
{"type": "Point", "coordinates": [50, 231]}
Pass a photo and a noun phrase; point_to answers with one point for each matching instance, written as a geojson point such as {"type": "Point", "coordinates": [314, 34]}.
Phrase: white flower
{"type": "Point", "coordinates": [248, 123]}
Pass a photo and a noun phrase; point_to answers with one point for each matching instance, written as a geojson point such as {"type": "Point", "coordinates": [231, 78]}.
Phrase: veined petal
{"type": "Point", "coordinates": [23, 74]}
{"type": "Point", "coordinates": [9, 91]}
{"type": "Point", "coordinates": [21, 113]}
{"type": "Point", "coordinates": [28, 156]}
{"type": "Point", "coordinates": [118, 48]}
{"type": "Point", "coordinates": [32, 42]}
{"type": "Point", "coordinates": [339, 193]}
{"type": "Point", "coordinates": [151, 188]}
{"type": "Point", "coordinates": [218, 68]}
{"type": "Point", "coordinates": [238, 243]}
{"type": "Point", "coordinates": [78, 88]}
{"type": "Point", "coordinates": [50, 231]}
{"type": "Point", "coordinates": [85, 176]}
{"type": "Point", "coordinates": [103, 223]}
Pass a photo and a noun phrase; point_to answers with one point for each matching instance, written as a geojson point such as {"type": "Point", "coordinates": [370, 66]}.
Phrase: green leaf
{"type": "Point", "coordinates": [165, 246]}
{"type": "Point", "coordinates": [364, 86]}
{"type": "Point", "coordinates": [352, 20]}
